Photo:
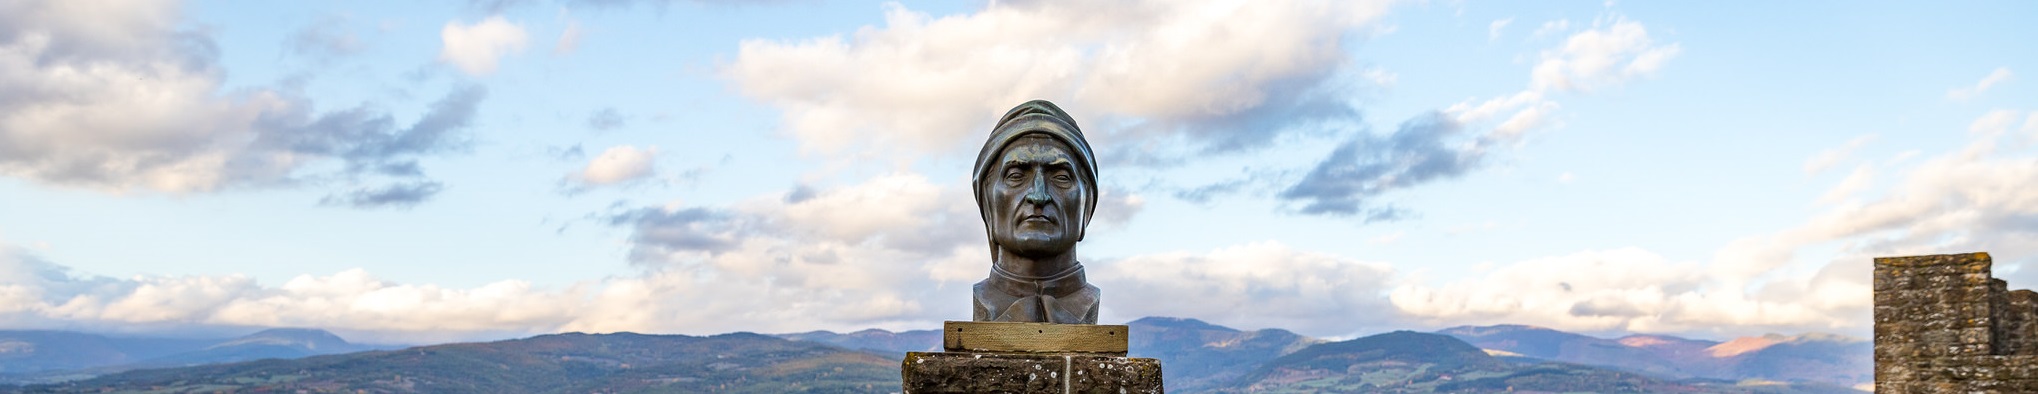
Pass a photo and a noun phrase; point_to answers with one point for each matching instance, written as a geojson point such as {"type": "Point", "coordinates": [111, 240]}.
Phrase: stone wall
{"type": "Point", "coordinates": [2020, 326]}
{"type": "Point", "coordinates": [1944, 324]}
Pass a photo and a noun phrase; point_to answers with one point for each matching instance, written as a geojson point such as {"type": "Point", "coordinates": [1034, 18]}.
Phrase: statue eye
{"type": "Point", "coordinates": [1063, 177]}
{"type": "Point", "coordinates": [1014, 175]}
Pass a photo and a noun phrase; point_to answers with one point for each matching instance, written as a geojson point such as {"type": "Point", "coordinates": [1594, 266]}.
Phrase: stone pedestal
{"type": "Point", "coordinates": [993, 357]}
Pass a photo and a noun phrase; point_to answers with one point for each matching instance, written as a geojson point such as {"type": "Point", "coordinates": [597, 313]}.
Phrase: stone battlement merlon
{"type": "Point", "coordinates": [1944, 323]}
{"type": "Point", "coordinates": [1964, 259]}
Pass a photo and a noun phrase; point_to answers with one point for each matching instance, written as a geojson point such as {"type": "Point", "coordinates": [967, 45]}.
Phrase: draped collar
{"type": "Point", "coordinates": [1059, 284]}
{"type": "Point", "coordinates": [1064, 297]}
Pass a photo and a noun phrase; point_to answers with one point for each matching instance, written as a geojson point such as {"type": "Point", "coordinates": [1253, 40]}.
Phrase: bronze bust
{"type": "Point", "coordinates": [1036, 187]}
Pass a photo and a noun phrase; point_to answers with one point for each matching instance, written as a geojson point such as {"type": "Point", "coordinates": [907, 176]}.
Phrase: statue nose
{"type": "Point", "coordinates": [1037, 195]}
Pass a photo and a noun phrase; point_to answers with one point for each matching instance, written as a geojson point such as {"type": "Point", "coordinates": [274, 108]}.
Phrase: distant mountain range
{"type": "Point", "coordinates": [1201, 357]}
{"type": "Point", "coordinates": [1197, 357]}
{"type": "Point", "coordinates": [53, 356]}
{"type": "Point", "coordinates": [558, 363]}
{"type": "Point", "coordinates": [1822, 358]}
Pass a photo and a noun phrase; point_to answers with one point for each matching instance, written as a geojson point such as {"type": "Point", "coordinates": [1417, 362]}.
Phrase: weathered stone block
{"type": "Point", "coordinates": [1894, 372]}
{"type": "Point", "coordinates": [960, 372]}
{"type": "Point", "coordinates": [1975, 335]}
{"type": "Point", "coordinates": [1110, 374]}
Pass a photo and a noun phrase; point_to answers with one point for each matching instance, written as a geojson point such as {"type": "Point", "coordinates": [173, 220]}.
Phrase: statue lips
{"type": "Point", "coordinates": [1040, 216]}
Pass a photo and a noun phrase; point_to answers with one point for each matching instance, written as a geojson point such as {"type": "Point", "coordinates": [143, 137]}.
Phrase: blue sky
{"type": "Point", "coordinates": [469, 170]}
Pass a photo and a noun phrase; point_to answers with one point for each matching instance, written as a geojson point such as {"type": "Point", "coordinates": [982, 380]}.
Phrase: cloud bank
{"type": "Point", "coordinates": [1260, 284]}
{"type": "Point", "coordinates": [113, 96]}
{"type": "Point", "coordinates": [899, 251]}
{"type": "Point", "coordinates": [1976, 198]}
{"type": "Point", "coordinates": [1217, 75]}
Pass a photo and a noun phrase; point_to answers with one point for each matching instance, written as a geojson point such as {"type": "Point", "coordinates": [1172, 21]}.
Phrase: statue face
{"type": "Point", "coordinates": [1036, 198]}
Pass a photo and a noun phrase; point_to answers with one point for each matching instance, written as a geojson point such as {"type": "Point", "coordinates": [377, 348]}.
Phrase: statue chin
{"type": "Point", "coordinates": [1037, 245]}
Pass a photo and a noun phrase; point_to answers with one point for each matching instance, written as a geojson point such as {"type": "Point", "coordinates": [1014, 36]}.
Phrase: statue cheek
{"type": "Point", "coordinates": [1004, 200]}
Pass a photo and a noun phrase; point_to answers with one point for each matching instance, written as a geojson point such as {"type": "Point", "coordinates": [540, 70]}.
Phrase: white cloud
{"type": "Point", "coordinates": [1860, 180]}
{"type": "Point", "coordinates": [1606, 56]}
{"type": "Point", "coordinates": [1826, 159]}
{"type": "Point", "coordinates": [1260, 284]}
{"type": "Point", "coordinates": [852, 257]}
{"type": "Point", "coordinates": [111, 95]}
{"type": "Point", "coordinates": [1510, 116]}
{"type": "Point", "coordinates": [874, 253]}
{"type": "Point", "coordinates": [1116, 207]}
{"type": "Point", "coordinates": [1592, 290]}
{"type": "Point", "coordinates": [1981, 197]}
{"type": "Point", "coordinates": [1609, 53]}
{"type": "Point", "coordinates": [878, 252]}
{"type": "Point", "coordinates": [1493, 29]}
{"type": "Point", "coordinates": [569, 40]}
{"type": "Point", "coordinates": [1976, 198]}
{"type": "Point", "coordinates": [100, 95]}
{"type": "Point", "coordinates": [1633, 290]}
{"type": "Point", "coordinates": [1427, 148]}
{"type": "Point", "coordinates": [39, 294]}
{"type": "Point", "coordinates": [845, 258]}
{"type": "Point", "coordinates": [1997, 77]}
{"type": "Point", "coordinates": [1380, 76]}
{"type": "Point", "coordinates": [618, 164]}
{"type": "Point", "coordinates": [475, 48]}
{"type": "Point", "coordinates": [1551, 27]}
{"type": "Point", "coordinates": [2030, 129]}
{"type": "Point", "coordinates": [860, 255]}
{"type": "Point", "coordinates": [1992, 124]}
{"type": "Point", "coordinates": [926, 85]}
{"type": "Point", "coordinates": [1349, 181]}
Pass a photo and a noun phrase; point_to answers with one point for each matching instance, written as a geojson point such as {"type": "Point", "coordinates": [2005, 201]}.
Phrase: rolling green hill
{"type": "Point", "coordinates": [1198, 356]}
{"type": "Point", "coordinates": [1400, 361]}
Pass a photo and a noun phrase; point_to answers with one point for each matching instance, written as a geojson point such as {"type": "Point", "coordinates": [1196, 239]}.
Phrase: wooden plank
{"type": "Point", "coordinates": [1011, 337]}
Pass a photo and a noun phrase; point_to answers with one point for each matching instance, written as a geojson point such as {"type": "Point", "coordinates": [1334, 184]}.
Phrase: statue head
{"type": "Point", "coordinates": [1035, 182]}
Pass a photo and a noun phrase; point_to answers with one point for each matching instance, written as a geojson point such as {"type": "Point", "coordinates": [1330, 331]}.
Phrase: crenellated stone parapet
{"type": "Point", "coordinates": [1944, 324]}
